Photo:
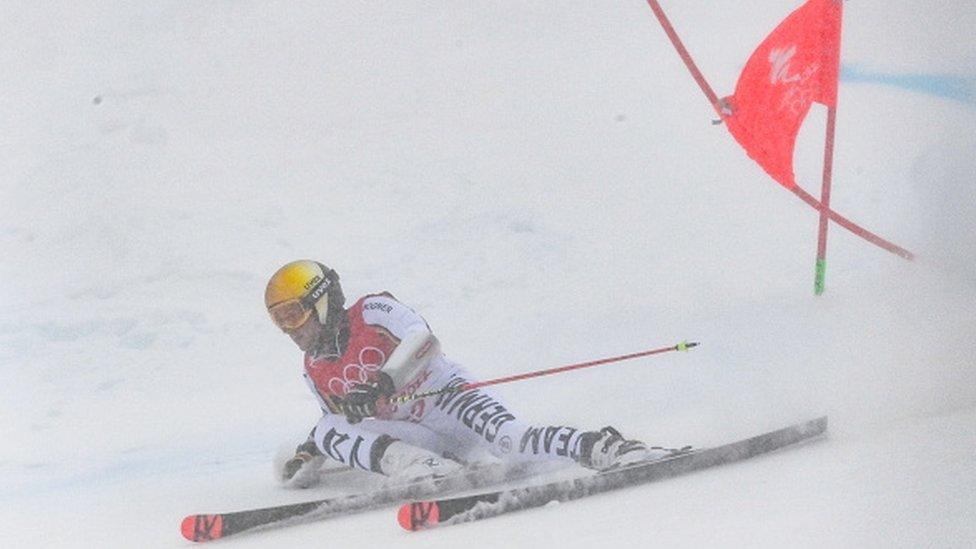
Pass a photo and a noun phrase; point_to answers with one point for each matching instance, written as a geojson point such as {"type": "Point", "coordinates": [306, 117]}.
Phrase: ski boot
{"type": "Point", "coordinates": [607, 449]}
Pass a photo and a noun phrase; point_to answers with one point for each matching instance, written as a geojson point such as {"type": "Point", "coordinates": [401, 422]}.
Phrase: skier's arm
{"type": "Point", "coordinates": [411, 356]}
{"type": "Point", "coordinates": [416, 343]}
{"type": "Point", "coordinates": [304, 453]}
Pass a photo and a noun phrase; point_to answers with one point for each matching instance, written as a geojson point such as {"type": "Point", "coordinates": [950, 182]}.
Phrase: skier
{"type": "Point", "coordinates": [357, 358]}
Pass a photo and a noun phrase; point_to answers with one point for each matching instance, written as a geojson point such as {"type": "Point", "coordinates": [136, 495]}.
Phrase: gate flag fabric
{"type": "Point", "coordinates": [797, 64]}
{"type": "Point", "coordinates": [793, 67]}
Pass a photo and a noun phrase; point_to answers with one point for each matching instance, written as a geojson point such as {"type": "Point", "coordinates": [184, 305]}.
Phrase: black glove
{"type": "Point", "coordinates": [303, 454]}
{"type": "Point", "coordinates": [360, 399]}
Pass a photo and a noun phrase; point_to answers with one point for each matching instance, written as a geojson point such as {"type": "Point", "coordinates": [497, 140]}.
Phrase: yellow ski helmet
{"type": "Point", "coordinates": [299, 288]}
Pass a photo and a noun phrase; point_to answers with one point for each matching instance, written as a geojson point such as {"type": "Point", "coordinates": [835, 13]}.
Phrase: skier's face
{"type": "Point", "coordinates": [307, 335]}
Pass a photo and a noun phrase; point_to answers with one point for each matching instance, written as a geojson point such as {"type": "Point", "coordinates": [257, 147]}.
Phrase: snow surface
{"type": "Point", "coordinates": [544, 185]}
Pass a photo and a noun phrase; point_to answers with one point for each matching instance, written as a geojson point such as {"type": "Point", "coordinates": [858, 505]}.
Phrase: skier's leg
{"type": "Point", "coordinates": [414, 434]}
{"type": "Point", "coordinates": [479, 418]}
{"type": "Point", "coordinates": [372, 446]}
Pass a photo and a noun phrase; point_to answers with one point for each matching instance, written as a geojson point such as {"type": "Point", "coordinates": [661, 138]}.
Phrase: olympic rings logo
{"type": "Point", "coordinates": [371, 359]}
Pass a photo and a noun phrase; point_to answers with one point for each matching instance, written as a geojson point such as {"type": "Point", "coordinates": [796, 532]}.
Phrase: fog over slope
{"type": "Point", "coordinates": [544, 186]}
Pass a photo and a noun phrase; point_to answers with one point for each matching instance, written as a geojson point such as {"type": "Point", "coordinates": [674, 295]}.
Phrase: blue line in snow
{"type": "Point", "coordinates": [948, 86]}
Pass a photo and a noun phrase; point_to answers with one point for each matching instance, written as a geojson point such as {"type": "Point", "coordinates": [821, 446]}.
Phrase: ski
{"type": "Point", "coordinates": [207, 527]}
{"type": "Point", "coordinates": [427, 514]}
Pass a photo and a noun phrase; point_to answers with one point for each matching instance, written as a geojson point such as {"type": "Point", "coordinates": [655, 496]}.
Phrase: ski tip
{"type": "Point", "coordinates": [202, 527]}
{"type": "Point", "coordinates": [419, 515]}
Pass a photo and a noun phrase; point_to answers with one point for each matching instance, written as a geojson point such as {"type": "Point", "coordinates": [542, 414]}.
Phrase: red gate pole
{"type": "Point", "coordinates": [828, 170]}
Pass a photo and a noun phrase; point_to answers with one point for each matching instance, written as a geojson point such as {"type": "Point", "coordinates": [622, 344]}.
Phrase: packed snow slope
{"type": "Point", "coordinates": [544, 185]}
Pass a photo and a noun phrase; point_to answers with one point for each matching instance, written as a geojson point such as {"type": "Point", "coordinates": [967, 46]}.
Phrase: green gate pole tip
{"type": "Point", "coordinates": [821, 273]}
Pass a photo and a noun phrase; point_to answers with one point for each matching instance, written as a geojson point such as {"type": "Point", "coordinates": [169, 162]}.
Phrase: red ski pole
{"type": "Point", "coordinates": [683, 346]}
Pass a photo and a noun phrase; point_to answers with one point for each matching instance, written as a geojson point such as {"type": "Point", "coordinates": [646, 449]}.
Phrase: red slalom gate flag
{"type": "Point", "coordinates": [797, 64]}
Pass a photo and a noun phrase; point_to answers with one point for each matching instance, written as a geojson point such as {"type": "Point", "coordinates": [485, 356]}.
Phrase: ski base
{"type": "Point", "coordinates": [428, 514]}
